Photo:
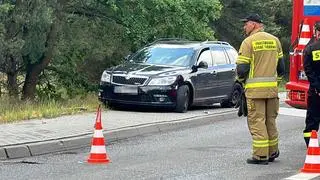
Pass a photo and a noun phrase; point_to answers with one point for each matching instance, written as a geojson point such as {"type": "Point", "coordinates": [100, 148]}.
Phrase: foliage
{"type": "Point", "coordinates": [147, 20]}
{"type": "Point", "coordinates": [276, 14]}
{"type": "Point", "coordinates": [61, 47]}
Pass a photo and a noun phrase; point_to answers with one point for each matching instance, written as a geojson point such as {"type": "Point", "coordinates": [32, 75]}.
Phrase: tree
{"type": "Point", "coordinates": [147, 20]}
{"type": "Point", "coordinates": [41, 35]}
{"type": "Point", "coordinates": [276, 14]}
{"type": "Point", "coordinates": [64, 45]}
{"type": "Point", "coordinates": [11, 44]}
{"type": "Point", "coordinates": [115, 28]}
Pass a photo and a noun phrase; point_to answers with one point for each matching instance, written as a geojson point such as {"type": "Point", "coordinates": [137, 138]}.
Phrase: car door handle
{"type": "Point", "coordinates": [214, 73]}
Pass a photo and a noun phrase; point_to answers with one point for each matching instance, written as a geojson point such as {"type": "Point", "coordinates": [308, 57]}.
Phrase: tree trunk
{"type": "Point", "coordinates": [13, 85]}
{"type": "Point", "coordinates": [12, 71]}
{"type": "Point", "coordinates": [31, 80]}
{"type": "Point", "coordinates": [34, 70]}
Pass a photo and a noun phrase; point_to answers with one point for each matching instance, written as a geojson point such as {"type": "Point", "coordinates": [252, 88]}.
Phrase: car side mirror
{"type": "Point", "coordinates": [203, 64]}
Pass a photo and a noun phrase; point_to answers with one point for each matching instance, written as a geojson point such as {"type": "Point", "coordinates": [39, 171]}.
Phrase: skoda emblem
{"type": "Point", "coordinates": [128, 77]}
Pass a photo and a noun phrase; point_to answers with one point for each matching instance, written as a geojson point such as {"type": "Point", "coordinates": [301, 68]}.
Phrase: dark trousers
{"type": "Point", "coordinates": [313, 113]}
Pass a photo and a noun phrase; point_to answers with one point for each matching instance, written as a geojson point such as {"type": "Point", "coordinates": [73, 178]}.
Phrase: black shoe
{"type": "Point", "coordinates": [274, 156]}
{"type": "Point", "coordinates": [256, 161]}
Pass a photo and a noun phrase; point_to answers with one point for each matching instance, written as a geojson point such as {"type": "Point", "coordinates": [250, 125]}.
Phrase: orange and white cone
{"type": "Point", "coordinates": [98, 153]}
{"type": "Point", "coordinates": [305, 35]}
{"type": "Point", "coordinates": [312, 162]}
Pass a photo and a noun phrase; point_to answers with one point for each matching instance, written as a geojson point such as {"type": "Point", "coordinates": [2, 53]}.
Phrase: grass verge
{"type": "Point", "coordinates": [13, 111]}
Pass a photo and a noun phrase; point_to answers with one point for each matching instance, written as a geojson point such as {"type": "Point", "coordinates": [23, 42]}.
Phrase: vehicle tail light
{"type": "Point", "coordinates": [296, 95]}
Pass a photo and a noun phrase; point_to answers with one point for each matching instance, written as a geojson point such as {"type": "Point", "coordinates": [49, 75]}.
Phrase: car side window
{"type": "Point", "coordinates": [219, 57]}
{"type": "Point", "coordinates": [206, 57]}
{"type": "Point", "coordinates": [232, 54]}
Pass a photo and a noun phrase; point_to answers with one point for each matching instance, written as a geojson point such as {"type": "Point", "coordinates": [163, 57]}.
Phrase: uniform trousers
{"type": "Point", "coordinates": [313, 114]}
{"type": "Point", "coordinates": [262, 114]}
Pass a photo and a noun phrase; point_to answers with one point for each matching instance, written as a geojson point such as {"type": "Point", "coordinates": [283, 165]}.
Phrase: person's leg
{"type": "Point", "coordinates": [272, 110]}
{"type": "Point", "coordinates": [312, 117]}
{"type": "Point", "coordinates": [258, 130]}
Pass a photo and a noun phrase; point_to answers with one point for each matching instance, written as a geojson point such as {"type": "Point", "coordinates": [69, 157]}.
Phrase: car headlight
{"type": "Point", "coordinates": [106, 77]}
{"type": "Point", "coordinates": [163, 81]}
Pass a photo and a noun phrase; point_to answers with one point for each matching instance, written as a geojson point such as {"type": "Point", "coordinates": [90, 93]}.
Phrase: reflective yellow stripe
{"type": "Point", "coordinates": [261, 79]}
{"type": "Point", "coordinates": [243, 59]}
{"type": "Point", "coordinates": [261, 85]}
{"type": "Point", "coordinates": [280, 55]}
{"type": "Point", "coordinates": [260, 143]}
{"type": "Point", "coordinates": [307, 134]}
{"type": "Point", "coordinates": [264, 143]}
{"type": "Point", "coordinates": [251, 67]}
{"type": "Point", "coordinates": [316, 55]}
{"type": "Point", "coordinates": [273, 142]}
{"type": "Point", "coordinates": [264, 45]}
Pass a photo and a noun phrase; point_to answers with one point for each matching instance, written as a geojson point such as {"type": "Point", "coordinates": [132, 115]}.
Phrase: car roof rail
{"type": "Point", "coordinates": [168, 39]}
{"type": "Point", "coordinates": [215, 42]}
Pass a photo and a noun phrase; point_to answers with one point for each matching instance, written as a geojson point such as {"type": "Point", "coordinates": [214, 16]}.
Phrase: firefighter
{"type": "Point", "coordinates": [311, 65]}
{"type": "Point", "coordinates": [260, 66]}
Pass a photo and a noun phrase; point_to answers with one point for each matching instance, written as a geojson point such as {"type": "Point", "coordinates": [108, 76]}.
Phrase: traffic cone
{"type": "Point", "coordinates": [98, 152]}
{"type": "Point", "coordinates": [312, 162]}
{"type": "Point", "coordinates": [305, 35]}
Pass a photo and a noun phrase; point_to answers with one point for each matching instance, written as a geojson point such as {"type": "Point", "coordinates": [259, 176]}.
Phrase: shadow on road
{"type": "Point", "coordinates": [160, 109]}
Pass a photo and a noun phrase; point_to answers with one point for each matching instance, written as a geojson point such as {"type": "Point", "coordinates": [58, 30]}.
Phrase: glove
{"type": "Point", "coordinates": [240, 112]}
{"type": "Point", "coordinates": [243, 109]}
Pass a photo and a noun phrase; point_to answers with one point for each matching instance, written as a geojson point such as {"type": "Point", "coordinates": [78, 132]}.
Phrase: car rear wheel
{"type": "Point", "coordinates": [183, 94]}
{"type": "Point", "coordinates": [234, 97]}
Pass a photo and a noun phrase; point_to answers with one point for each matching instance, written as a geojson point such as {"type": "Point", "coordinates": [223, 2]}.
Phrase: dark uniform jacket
{"type": "Point", "coordinates": [312, 64]}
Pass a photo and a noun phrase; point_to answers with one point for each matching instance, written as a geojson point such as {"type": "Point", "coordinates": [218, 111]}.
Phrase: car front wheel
{"type": "Point", "coordinates": [183, 94]}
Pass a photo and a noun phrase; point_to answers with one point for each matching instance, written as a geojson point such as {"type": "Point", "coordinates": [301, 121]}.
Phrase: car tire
{"type": "Point", "coordinates": [111, 105]}
{"type": "Point", "coordinates": [233, 98]}
{"type": "Point", "coordinates": [183, 94]}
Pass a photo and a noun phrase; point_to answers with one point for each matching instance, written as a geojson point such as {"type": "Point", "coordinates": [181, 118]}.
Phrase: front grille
{"type": "Point", "coordinates": [129, 81]}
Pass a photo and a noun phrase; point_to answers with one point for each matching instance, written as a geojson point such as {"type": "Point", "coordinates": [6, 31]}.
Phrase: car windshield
{"type": "Point", "coordinates": [165, 55]}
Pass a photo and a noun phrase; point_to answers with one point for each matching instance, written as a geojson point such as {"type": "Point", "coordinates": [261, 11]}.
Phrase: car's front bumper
{"type": "Point", "coordinates": [144, 95]}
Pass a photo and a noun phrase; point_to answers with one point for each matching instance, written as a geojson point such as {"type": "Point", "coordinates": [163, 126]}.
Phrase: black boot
{"type": "Point", "coordinates": [274, 156]}
{"type": "Point", "coordinates": [257, 161]}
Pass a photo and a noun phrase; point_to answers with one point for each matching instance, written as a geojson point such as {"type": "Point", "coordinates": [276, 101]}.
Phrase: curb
{"type": "Point", "coordinates": [64, 144]}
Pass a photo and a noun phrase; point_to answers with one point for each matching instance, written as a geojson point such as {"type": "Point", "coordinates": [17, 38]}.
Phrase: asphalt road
{"type": "Point", "coordinates": [215, 151]}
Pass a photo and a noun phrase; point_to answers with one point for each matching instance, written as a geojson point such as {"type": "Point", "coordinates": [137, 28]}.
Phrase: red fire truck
{"type": "Point", "coordinates": [305, 14]}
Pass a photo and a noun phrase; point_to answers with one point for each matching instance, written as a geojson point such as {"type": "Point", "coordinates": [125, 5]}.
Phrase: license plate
{"type": "Point", "coordinates": [126, 90]}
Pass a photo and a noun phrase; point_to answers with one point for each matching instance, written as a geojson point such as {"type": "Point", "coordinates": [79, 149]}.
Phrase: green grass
{"type": "Point", "coordinates": [15, 110]}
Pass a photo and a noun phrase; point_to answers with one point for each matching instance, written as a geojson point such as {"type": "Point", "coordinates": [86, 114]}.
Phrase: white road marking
{"type": "Point", "coordinates": [292, 112]}
{"type": "Point", "coordinates": [303, 176]}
